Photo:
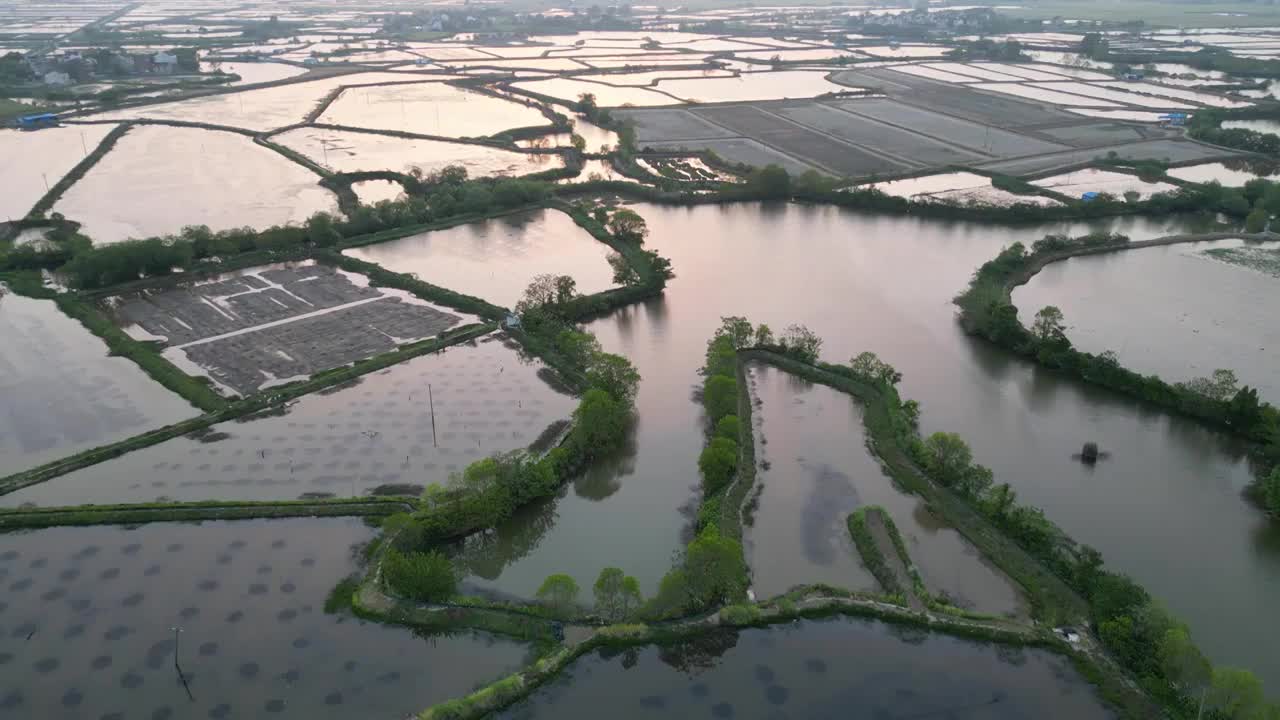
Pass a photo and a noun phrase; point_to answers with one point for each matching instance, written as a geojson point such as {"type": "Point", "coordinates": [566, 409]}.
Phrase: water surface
{"type": "Point", "coordinates": [1185, 314]}
{"type": "Point", "coordinates": [88, 618]}
{"type": "Point", "coordinates": [839, 668]}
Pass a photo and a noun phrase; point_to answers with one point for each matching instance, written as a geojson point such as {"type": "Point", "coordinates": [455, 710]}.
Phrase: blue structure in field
{"type": "Point", "coordinates": [1090, 196]}
{"type": "Point", "coordinates": [1177, 119]}
{"type": "Point", "coordinates": [35, 122]}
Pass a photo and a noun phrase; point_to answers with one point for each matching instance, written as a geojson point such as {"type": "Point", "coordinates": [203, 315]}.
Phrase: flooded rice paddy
{"type": "Point", "coordinates": [346, 151]}
{"type": "Point", "coordinates": [63, 393]}
{"type": "Point", "coordinates": [129, 195]}
{"type": "Point", "coordinates": [31, 163]}
{"type": "Point", "coordinates": [254, 72]}
{"type": "Point", "coordinates": [835, 668]}
{"type": "Point", "coordinates": [753, 86]}
{"type": "Point", "coordinates": [568, 90]}
{"type": "Point", "coordinates": [1262, 126]}
{"type": "Point", "coordinates": [372, 435]}
{"type": "Point", "coordinates": [495, 259]}
{"type": "Point", "coordinates": [372, 192]}
{"type": "Point", "coordinates": [1184, 314]}
{"type": "Point", "coordinates": [956, 187]}
{"type": "Point", "coordinates": [815, 469]}
{"type": "Point", "coordinates": [88, 618]}
{"type": "Point", "coordinates": [1231, 174]}
{"type": "Point", "coordinates": [429, 109]}
{"type": "Point", "coordinates": [1169, 485]}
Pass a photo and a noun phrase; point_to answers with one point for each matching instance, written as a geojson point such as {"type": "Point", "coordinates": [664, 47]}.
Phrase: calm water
{"type": "Point", "coordinates": [1185, 313]}
{"type": "Point", "coordinates": [819, 470]}
{"type": "Point", "coordinates": [495, 259]}
{"type": "Point", "coordinates": [61, 393]}
{"type": "Point", "coordinates": [348, 440]}
{"type": "Point", "coordinates": [838, 668]}
{"type": "Point", "coordinates": [87, 616]}
{"type": "Point", "coordinates": [868, 282]}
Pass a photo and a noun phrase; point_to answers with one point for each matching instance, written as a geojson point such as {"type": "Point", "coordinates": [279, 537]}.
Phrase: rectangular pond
{"type": "Point", "coordinates": [838, 668]}
{"type": "Point", "coordinates": [346, 151]}
{"type": "Point", "coordinates": [129, 194]}
{"type": "Point", "coordinates": [429, 109]}
{"type": "Point", "coordinates": [814, 470]}
{"type": "Point", "coordinates": [495, 259]}
{"type": "Point", "coordinates": [62, 393]}
{"type": "Point", "coordinates": [372, 435]}
{"type": "Point", "coordinates": [89, 616]}
{"type": "Point", "coordinates": [33, 162]}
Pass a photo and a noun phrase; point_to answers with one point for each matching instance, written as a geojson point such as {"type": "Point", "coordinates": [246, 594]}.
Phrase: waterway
{"type": "Point", "coordinates": [835, 668]}
{"type": "Point", "coordinates": [1165, 506]}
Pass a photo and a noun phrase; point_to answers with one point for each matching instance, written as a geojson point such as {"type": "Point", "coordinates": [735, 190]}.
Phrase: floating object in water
{"type": "Point", "coordinates": [1089, 453]}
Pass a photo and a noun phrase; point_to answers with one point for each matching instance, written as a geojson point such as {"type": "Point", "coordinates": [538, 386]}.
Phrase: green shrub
{"type": "Point", "coordinates": [421, 576]}
{"type": "Point", "coordinates": [740, 615]}
{"type": "Point", "coordinates": [729, 427]}
{"type": "Point", "coordinates": [720, 397]}
{"type": "Point", "coordinates": [717, 463]}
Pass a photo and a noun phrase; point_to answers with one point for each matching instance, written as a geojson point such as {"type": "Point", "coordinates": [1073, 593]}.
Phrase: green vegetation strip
{"type": "Point", "coordinates": [26, 518]}
{"type": "Point", "coordinates": [872, 554]}
{"type": "Point", "coordinates": [987, 310]}
{"type": "Point", "coordinates": [45, 203]}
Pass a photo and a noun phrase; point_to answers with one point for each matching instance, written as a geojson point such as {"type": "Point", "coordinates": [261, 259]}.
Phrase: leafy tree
{"type": "Point", "coordinates": [1049, 326]}
{"type": "Point", "coordinates": [717, 463]}
{"type": "Point", "coordinates": [1218, 386]}
{"type": "Point", "coordinates": [587, 105]}
{"type": "Point", "coordinates": [1256, 221]}
{"type": "Point", "coordinates": [720, 397]}
{"type": "Point", "coordinates": [602, 422]}
{"type": "Point", "coordinates": [546, 290]}
{"type": "Point", "coordinates": [1245, 410]}
{"type": "Point", "coordinates": [616, 594]}
{"type": "Point", "coordinates": [1182, 662]}
{"type": "Point", "coordinates": [869, 365]}
{"type": "Point", "coordinates": [728, 427]}
{"type": "Point", "coordinates": [715, 569]}
{"type": "Point", "coordinates": [628, 225]}
{"type": "Point", "coordinates": [1235, 693]}
{"type": "Point", "coordinates": [421, 576]}
{"type": "Point", "coordinates": [623, 272]}
{"type": "Point", "coordinates": [802, 342]}
{"type": "Point", "coordinates": [764, 335]}
{"type": "Point", "coordinates": [1271, 490]}
{"type": "Point", "coordinates": [578, 142]}
{"type": "Point", "coordinates": [579, 348]}
{"type": "Point", "coordinates": [615, 375]}
{"type": "Point", "coordinates": [770, 182]}
{"type": "Point", "coordinates": [947, 457]}
{"type": "Point", "coordinates": [321, 230]}
{"type": "Point", "coordinates": [558, 592]}
{"type": "Point", "coordinates": [737, 329]}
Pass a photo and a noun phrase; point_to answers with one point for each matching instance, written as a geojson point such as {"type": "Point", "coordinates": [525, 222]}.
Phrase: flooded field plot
{"type": "Point", "coordinates": [254, 72]}
{"type": "Point", "coordinates": [819, 669]}
{"type": "Point", "coordinates": [1190, 95]}
{"type": "Point", "coordinates": [1046, 94]}
{"type": "Point", "coordinates": [640, 79]}
{"type": "Point", "coordinates": [371, 192]}
{"type": "Point", "coordinates": [752, 86]}
{"type": "Point", "coordinates": [1098, 90]}
{"type": "Point", "coordinates": [974, 136]}
{"type": "Point", "coordinates": [373, 435]}
{"type": "Point", "coordinates": [568, 90]}
{"type": "Point", "coordinates": [239, 183]}
{"type": "Point", "coordinates": [346, 151]}
{"type": "Point", "coordinates": [259, 110]}
{"type": "Point", "coordinates": [429, 109]}
{"type": "Point", "coordinates": [30, 160]}
{"type": "Point", "coordinates": [265, 326]}
{"type": "Point", "coordinates": [1171, 151]}
{"type": "Point", "coordinates": [1187, 315]}
{"type": "Point", "coordinates": [1092, 180]}
{"type": "Point", "coordinates": [89, 611]}
{"type": "Point", "coordinates": [1231, 174]}
{"type": "Point", "coordinates": [933, 73]}
{"type": "Point", "coordinates": [495, 259]}
{"type": "Point", "coordinates": [817, 469]}
{"type": "Point", "coordinates": [63, 393]}
{"type": "Point", "coordinates": [1262, 126]}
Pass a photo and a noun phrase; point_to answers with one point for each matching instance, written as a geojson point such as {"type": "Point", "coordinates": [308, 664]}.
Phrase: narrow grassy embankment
{"type": "Point", "coordinates": [1049, 596]}
{"type": "Point", "coordinates": [885, 555]}
{"type": "Point", "coordinates": [46, 203]}
{"type": "Point", "coordinates": [43, 517]}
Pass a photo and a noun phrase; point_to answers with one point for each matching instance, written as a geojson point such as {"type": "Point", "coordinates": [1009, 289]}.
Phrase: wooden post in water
{"type": "Point", "coordinates": [432, 401]}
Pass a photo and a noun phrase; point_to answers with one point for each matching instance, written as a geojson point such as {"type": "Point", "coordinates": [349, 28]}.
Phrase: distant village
{"type": "Point", "coordinates": [75, 67]}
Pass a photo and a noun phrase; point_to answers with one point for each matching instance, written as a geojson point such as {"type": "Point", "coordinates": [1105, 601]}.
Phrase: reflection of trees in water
{"type": "Point", "coordinates": [630, 655]}
{"type": "Point", "coordinates": [699, 653]}
{"type": "Point", "coordinates": [487, 554]}
{"type": "Point", "coordinates": [604, 477]}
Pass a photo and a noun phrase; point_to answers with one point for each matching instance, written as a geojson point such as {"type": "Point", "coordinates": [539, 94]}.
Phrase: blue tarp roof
{"type": "Point", "coordinates": [39, 117]}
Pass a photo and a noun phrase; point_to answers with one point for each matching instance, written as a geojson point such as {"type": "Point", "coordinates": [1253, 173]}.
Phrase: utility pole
{"type": "Point", "coordinates": [176, 630]}
{"type": "Point", "coordinates": [432, 401]}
